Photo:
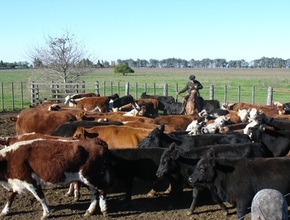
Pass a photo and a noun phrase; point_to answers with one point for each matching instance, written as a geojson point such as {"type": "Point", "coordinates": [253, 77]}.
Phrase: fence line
{"type": "Point", "coordinates": [15, 97]}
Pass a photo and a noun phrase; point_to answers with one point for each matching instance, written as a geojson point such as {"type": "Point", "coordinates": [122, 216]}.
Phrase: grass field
{"type": "Point", "coordinates": [242, 80]}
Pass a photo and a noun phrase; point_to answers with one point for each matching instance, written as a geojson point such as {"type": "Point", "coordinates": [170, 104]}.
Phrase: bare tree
{"type": "Point", "coordinates": [61, 59]}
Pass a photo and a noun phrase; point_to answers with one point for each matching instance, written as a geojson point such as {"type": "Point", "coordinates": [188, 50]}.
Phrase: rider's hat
{"type": "Point", "coordinates": [192, 77]}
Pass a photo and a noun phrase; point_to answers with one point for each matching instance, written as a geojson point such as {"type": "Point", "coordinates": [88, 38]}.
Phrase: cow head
{"type": "Point", "coordinates": [168, 163]}
{"type": "Point", "coordinates": [204, 172]}
{"type": "Point", "coordinates": [153, 139]}
{"type": "Point", "coordinates": [157, 138]}
{"type": "Point", "coordinates": [206, 169]}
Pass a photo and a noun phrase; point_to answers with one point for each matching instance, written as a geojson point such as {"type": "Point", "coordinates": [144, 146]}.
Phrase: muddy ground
{"type": "Point", "coordinates": [142, 207]}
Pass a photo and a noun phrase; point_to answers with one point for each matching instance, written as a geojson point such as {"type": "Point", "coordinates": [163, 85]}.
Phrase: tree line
{"type": "Point", "coordinates": [264, 62]}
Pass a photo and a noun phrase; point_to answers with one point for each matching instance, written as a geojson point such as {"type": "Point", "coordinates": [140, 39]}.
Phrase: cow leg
{"type": "Point", "coordinates": [10, 197]}
{"type": "Point", "coordinates": [195, 191]}
{"type": "Point", "coordinates": [129, 187]}
{"type": "Point", "coordinates": [241, 208]}
{"type": "Point", "coordinates": [102, 201]}
{"type": "Point", "coordinates": [74, 189]}
{"type": "Point", "coordinates": [217, 199]}
{"type": "Point", "coordinates": [93, 203]}
{"type": "Point", "coordinates": [38, 194]}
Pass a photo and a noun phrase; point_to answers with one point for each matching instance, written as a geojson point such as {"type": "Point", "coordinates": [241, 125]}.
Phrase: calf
{"type": "Point", "coordinates": [128, 164]}
{"type": "Point", "coordinates": [25, 166]}
{"type": "Point", "coordinates": [176, 161]}
{"type": "Point", "coordinates": [238, 180]}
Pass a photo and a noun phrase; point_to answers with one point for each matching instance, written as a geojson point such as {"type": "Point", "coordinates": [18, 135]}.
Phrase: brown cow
{"type": "Point", "coordinates": [116, 137]}
{"type": "Point", "coordinates": [41, 120]}
{"type": "Point", "coordinates": [26, 165]}
{"type": "Point", "coordinates": [177, 122]}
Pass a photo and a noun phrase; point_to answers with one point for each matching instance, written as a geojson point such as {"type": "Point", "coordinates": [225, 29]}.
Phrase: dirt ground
{"type": "Point", "coordinates": [142, 207]}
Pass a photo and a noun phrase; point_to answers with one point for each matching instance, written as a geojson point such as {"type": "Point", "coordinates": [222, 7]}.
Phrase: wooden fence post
{"type": "Point", "coordinates": [83, 86]}
{"type": "Point", "coordinates": [176, 90]}
{"type": "Point", "coordinates": [253, 94]}
{"type": "Point", "coordinates": [112, 86]}
{"type": "Point", "coordinates": [127, 88]}
{"type": "Point", "coordinates": [145, 87]}
{"type": "Point", "coordinates": [136, 91]}
{"type": "Point", "coordinates": [104, 89]}
{"type": "Point", "coordinates": [239, 93]}
{"type": "Point", "coordinates": [211, 92]}
{"type": "Point", "coordinates": [270, 95]}
{"type": "Point", "coordinates": [32, 93]}
{"type": "Point", "coordinates": [118, 88]}
{"type": "Point", "coordinates": [12, 95]}
{"type": "Point", "coordinates": [225, 94]}
{"type": "Point", "coordinates": [2, 96]}
{"type": "Point", "coordinates": [165, 89]}
{"type": "Point", "coordinates": [154, 88]}
{"type": "Point", "coordinates": [97, 88]}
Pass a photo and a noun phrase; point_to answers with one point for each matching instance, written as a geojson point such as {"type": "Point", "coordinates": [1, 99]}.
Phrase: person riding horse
{"type": "Point", "coordinates": [192, 87]}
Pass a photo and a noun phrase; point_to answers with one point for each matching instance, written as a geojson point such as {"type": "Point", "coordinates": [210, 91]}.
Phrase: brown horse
{"type": "Point", "coordinates": [191, 104]}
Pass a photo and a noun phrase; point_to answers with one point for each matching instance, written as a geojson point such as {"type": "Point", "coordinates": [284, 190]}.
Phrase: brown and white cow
{"type": "Point", "coordinates": [27, 165]}
{"type": "Point", "coordinates": [92, 103]}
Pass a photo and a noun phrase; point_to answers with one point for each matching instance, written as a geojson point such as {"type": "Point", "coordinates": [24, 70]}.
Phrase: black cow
{"type": "Point", "coordinates": [157, 138]}
{"type": "Point", "coordinates": [128, 164]}
{"type": "Point", "coordinates": [210, 105]}
{"type": "Point", "coordinates": [124, 100]}
{"type": "Point", "coordinates": [161, 100]}
{"type": "Point", "coordinates": [238, 180]}
{"type": "Point", "coordinates": [173, 108]}
{"type": "Point", "coordinates": [274, 133]}
{"type": "Point", "coordinates": [68, 129]}
{"type": "Point", "coordinates": [176, 161]}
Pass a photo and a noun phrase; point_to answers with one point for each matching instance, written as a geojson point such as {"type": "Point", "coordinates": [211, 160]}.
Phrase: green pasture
{"type": "Point", "coordinates": [234, 80]}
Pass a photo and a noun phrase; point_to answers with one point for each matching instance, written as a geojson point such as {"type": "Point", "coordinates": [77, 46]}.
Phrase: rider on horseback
{"type": "Point", "coordinates": [192, 87]}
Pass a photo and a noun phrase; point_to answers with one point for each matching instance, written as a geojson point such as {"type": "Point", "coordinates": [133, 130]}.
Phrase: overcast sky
{"type": "Point", "coordinates": [150, 29]}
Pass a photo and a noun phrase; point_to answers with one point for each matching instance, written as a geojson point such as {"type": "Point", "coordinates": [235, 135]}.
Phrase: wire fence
{"type": "Point", "coordinates": [17, 96]}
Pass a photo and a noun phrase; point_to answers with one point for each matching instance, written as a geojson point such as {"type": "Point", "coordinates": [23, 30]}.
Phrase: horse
{"type": "Point", "coordinates": [192, 104]}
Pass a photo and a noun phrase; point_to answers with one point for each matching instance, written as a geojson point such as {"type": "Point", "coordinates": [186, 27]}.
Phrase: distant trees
{"type": "Point", "coordinates": [14, 65]}
{"type": "Point", "coordinates": [61, 58]}
{"type": "Point", "coordinates": [123, 68]}
{"type": "Point", "coordinates": [264, 62]}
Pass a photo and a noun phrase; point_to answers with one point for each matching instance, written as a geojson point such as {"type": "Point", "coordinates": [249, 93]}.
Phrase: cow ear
{"type": "Point", "coordinates": [175, 154]}
{"type": "Point", "coordinates": [161, 128]}
{"type": "Point", "coordinates": [210, 153]}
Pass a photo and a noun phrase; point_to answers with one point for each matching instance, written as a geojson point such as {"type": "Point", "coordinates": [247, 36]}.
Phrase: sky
{"type": "Point", "coordinates": [150, 29]}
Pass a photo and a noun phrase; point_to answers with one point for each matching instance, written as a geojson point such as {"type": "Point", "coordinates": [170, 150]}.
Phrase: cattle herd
{"type": "Point", "coordinates": [233, 150]}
